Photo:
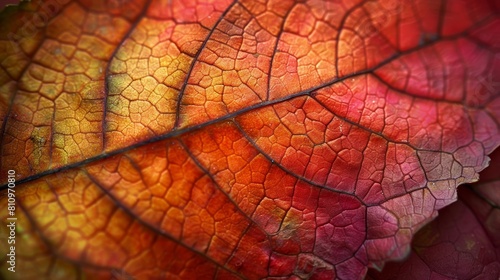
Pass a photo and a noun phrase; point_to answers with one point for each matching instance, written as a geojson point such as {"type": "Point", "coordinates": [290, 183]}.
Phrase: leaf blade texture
{"type": "Point", "coordinates": [462, 243]}
{"type": "Point", "coordinates": [220, 139]}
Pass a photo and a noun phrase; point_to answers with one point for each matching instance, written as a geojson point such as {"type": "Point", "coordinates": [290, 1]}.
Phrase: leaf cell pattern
{"type": "Point", "coordinates": [463, 242]}
{"type": "Point", "coordinates": [239, 139]}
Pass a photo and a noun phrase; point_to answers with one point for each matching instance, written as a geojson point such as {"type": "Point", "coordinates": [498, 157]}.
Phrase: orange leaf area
{"type": "Point", "coordinates": [247, 139]}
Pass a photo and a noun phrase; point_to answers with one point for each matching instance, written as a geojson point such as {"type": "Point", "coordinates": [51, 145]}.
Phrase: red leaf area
{"type": "Point", "coordinates": [463, 242]}
{"type": "Point", "coordinates": [246, 140]}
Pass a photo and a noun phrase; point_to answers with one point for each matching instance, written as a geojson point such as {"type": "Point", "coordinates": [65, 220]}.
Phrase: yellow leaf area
{"type": "Point", "coordinates": [237, 139]}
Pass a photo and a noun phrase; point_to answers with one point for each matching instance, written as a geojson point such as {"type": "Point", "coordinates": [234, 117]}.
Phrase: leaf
{"type": "Point", "coordinates": [463, 242]}
{"type": "Point", "coordinates": [218, 139]}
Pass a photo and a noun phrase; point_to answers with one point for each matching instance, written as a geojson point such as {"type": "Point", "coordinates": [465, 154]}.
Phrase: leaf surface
{"type": "Point", "coordinates": [463, 242]}
{"type": "Point", "coordinates": [219, 139]}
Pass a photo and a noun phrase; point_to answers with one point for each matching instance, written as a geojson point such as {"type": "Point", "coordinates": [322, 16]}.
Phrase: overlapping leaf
{"type": "Point", "coordinates": [463, 242]}
{"type": "Point", "coordinates": [245, 139]}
